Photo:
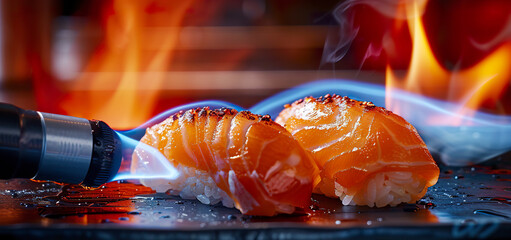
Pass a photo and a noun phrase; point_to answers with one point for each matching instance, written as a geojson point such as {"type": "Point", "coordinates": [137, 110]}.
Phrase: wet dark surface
{"type": "Point", "coordinates": [470, 202]}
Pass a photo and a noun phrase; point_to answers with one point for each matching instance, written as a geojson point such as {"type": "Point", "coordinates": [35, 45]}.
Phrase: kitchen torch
{"type": "Point", "coordinates": [45, 146]}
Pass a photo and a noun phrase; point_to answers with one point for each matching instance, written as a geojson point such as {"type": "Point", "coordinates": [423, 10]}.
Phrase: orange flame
{"type": "Point", "coordinates": [485, 82]}
{"type": "Point", "coordinates": [124, 64]}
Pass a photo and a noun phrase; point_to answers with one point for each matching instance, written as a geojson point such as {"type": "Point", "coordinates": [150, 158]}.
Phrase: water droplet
{"type": "Point", "coordinates": [337, 222]}
{"type": "Point", "coordinates": [27, 205]}
{"type": "Point", "coordinates": [491, 212]}
{"type": "Point", "coordinates": [124, 218]}
{"type": "Point", "coordinates": [430, 205]}
{"type": "Point", "coordinates": [134, 213]}
{"type": "Point", "coordinates": [231, 217]}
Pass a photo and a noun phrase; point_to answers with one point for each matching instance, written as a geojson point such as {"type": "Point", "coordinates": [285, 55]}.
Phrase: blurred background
{"type": "Point", "coordinates": [123, 61]}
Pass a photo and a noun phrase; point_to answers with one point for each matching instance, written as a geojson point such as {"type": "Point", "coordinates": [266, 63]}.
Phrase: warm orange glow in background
{"type": "Point", "coordinates": [123, 61]}
{"type": "Point", "coordinates": [127, 25]}
{"type": "Point", "coordinates": [484, 82]}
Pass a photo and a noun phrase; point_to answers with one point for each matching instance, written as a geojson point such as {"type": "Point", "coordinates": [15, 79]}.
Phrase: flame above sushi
{"type": "Point", "coordinates": [366, 154]}
{"type": "Point", "coordinates": [237, 158]}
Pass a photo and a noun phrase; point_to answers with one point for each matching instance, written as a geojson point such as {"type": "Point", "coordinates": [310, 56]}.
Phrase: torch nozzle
{"type": "Point", "coordinates": [59, 148]}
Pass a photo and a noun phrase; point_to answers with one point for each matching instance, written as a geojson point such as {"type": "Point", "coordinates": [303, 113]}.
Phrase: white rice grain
{"type": "Point", "coordinates": [382, 189]}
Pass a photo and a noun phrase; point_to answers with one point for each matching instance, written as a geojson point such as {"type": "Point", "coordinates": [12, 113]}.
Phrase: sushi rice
{"type": "Point", "coordinates": [385, 188]}
{"type": "Point", "coordinates": [192, 184]}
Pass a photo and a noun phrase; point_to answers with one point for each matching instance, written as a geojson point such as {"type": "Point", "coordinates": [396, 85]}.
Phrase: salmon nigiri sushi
{"type": "Point", "coordinates": [366, 155]}
{"type": "Point", "coordinates": [237, 158]}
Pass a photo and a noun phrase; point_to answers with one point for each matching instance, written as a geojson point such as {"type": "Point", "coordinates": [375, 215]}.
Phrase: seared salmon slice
{"type": "Point", "coordinates": [237, 158]}
{"type": "Point", "coordinates": [366, 154]}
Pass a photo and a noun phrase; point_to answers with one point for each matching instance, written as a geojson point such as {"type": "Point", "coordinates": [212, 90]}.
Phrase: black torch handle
{"type": "Point", "coordinates": [21, 141]}
{"type": "Point", "coordinates": [55, 147]}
